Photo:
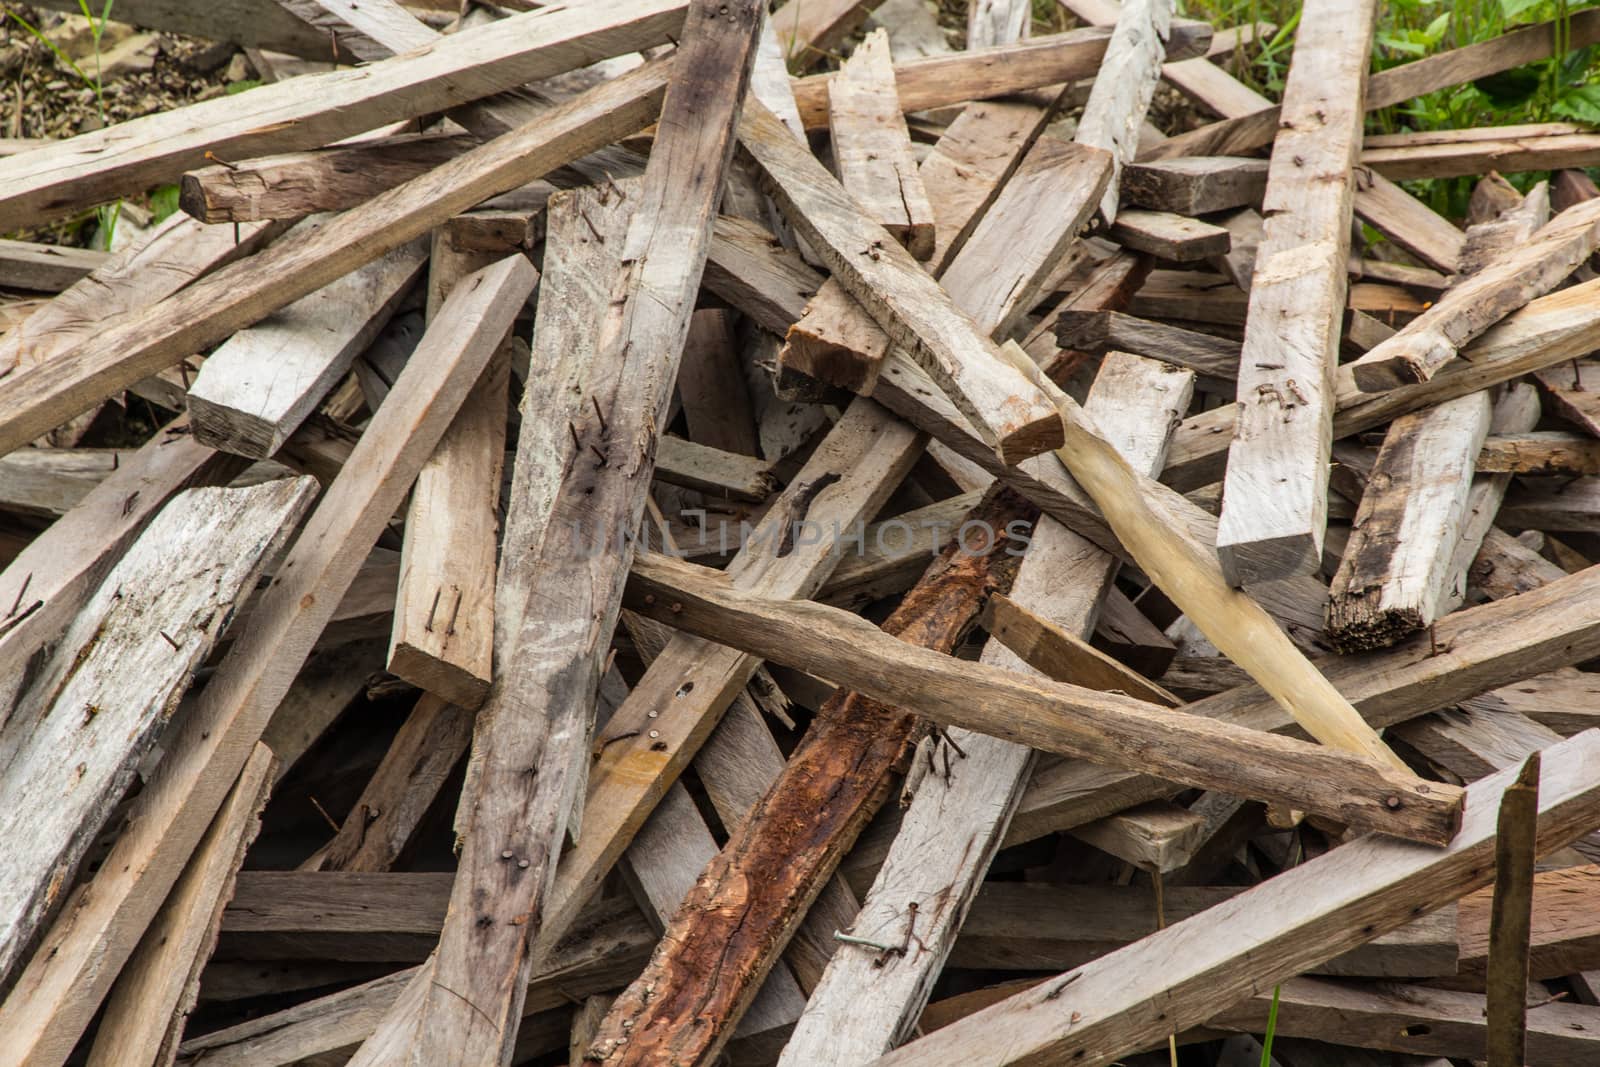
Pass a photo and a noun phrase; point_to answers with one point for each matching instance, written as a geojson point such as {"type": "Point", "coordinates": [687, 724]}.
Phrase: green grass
{"type": "Point", "coordinates": [1564, 89]}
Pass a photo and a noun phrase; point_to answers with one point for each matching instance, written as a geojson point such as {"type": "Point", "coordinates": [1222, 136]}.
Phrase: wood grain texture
{"type": "Point", "coordinates": [1049, 715]}
{"type": "Point", "coordinates": [160, 984]}
{"type": "Point", "coordinates": [1196, 185]}
{"type": "Point", "coordinates": [563, 598]}
{"type": "Point", "coordinates": [1297, 919]}
{"type": "Point", "coordinates": [311, 111]}
{"type": "Point", "coordinates": [257, 387]}
{"type": "Point", "coordinates": [1275, 494]}
{"type": "Point", "coordinates": [230, 299]}
{"type": "Point", "coordinates": [1522, 272]}
{"type": "Point", "coordinates": [105, 695]}
{"type": "Point", "coordinates": [56, 996]}
{"type": "Point", "coordinates": [1405, 220]}
{"type": "Point", "coordinates": [954, 826]}
{"type": "Point", "coordinates": [903, 300]}
{"type": "Point", "coordinates": [872, 149]}
{"type": "Point", "coordinates": [1122, 92]}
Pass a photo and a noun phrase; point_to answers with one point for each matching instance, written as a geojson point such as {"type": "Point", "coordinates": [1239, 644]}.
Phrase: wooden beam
{"type": "Point", "coordinates": [231, 299]}
{"type": "Point", "coordinates": [56, 996]}
{"type": "Point", "coordinates": [1213, 359]}
{"type": "Point", "coordinates": [1175, 238]}
{"type": "Point", "coordinates": [160, 984]}
{"type": "Point", "coordinates": [983, 74]}
{"type": "Point", "coordinates": [1301, 917]}
{"type": "Point", "coordinates": [1123, 89]}
{"type": "Point", "coordinates": [910, 307]}
{"type": "Point", "coordinates": [1407, 221]}
{"type": "Point", "coordinates": [1539, 452]}
{"type": "Point", "coordinates": [1275, 494]}
{"type": "Point", "coordinates": [466, 1007]}
{"type": "Point", "coordinates": [1523, 272]}
{"type": "Point", "coordinates": [1460, 153]}
{"type": "Point", "coordinates": [872, 149]}
{"type": "Point", "coordinates": [295, 184]}
{"type": "Point", "coordinates": [241, 22]}
{"type": "Point", "coordinates": [1196, 185]}
{"type": "Point", "coordinates": [101, 699]}
{"type": "Point", "coordinates": [1049, 715]}
{"type": "Point", "coordinates": [311, 111]}
{"type": "Point", "coordinates": [443, 636]}
{"type": "Point", "coordinates": [258, 387]}
{"type": "Point", "coordinates": [713, 471]}
{"type": "Point", "coordinates": [831, 786]}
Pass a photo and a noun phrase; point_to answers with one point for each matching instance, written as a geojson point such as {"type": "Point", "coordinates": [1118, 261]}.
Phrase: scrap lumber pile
{"type": "Point", "coordinates": [674, 532]}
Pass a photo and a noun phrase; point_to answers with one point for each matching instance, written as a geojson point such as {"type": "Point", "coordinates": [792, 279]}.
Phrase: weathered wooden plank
{"type": "Point", "coordinates": [561, 597]}
{"type": "Point", "coordinates": [1175, 238]}
{"type": "Point", "coordinates": [98, 704]}
{"type": "Point", "coordinates": [1299, 918]}
{"type": "Point", "coordinates": [1049, 715]}
{"type": "Point", "coordinates": [713, 471]}
{"type": "Point", "coordinates": [910, 307]}
{"type": "Point", "coordinates": [1056, 653]}
{"type": "Point", "coordinates": [731, 927]}
{"type": "Point", "coordinates": [56, 996]}
{"type": "Point", "coordinates": [158, 988]}
{"type": "Point", "coordinates": [1196, 185]}
{"type": "Point", "coordinates": [872, 149]}
{"type": "Point", "coordinates": [1452, 153]}
{"type": "Point", "coordinates": [1122, 91]}
{"type": "Point", "coordinates": [1407, 221]}
{"type": "Point", "coordinates": [443, 636]}
{"type": "Point", "coordinates": [244, 23]}
{"type": "Point", "coordinates": [1213, 359]}
{"type": "Point", "coordinates": [311, 111]}
{"type": "Point", "coordinates": [1523, 272]}
{"type": "Point", "coordinates": [1275, 494]}
{"type": "Point", "coordinates": [228, 300]}
{"type": "Point", "coordinates": [46, 268]}
{"type": "Point", "coordinates": [260, 384]}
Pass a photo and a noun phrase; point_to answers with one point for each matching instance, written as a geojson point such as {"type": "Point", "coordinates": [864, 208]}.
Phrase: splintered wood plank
{"type": "Point", "coordinates": [159, 986]}
{"type": "Point", "coordinates": [1124, 88]}
{"type": "Point", "coordinates": [1297, 919]}
{"type": "Point", "coordinates": [46, 585]}
{"type": "Point", "coordinates": [872, 149]}
{"type": "Point", "coordinates": [1389, 581]}
{"type": "Point", "coordinates": [100, 702]}
{"type": "Point", "coordinates": [311, 111]}
{"type": "Point", "coordinates": [1108, 728]}
{"type": "Point", "coordinates": [167, 258]}
{"type": "Point", "coordinates": [939, 81]}
{"type": "Point", "coordinates": [259, 385]}
{"type": "Point", "coordinates": [831, 786]}
{"type": "Point", "coordinates": [443, 636]}
{"type": "Point", "coordinates": [56, 996]}
{"type": "Point", "coordinates": [909, 305]}
{"type": "Point", "coordinates": [210, 310]}
{"type": "Point", "coordinates": [1003, 266]}
{"type": "Point", "coordinates": [835, 339]}
{"type": "Point", "coordinates": [1524, 271]}
{"type": "Point", "coordinates": [1275, 494]}
{"type": "Point", "coordinates": [562, 597]}
{"type": "Point", "coordinates": [954, 826]}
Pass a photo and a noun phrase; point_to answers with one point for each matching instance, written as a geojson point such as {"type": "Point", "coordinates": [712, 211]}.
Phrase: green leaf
{"type": "Point", "coordinates": [1514, 87]}
{"type": "Point", "coordinates": [1512, 8]}
{"type": "Point", "coordinates": [240, 86]}
{"type": "Point", "coordinates": [1401, 44]}
{"type": "Point", "coordinates": [1580, 103]}
{"type": "Point", "coordinates": [163, 203]}
{"type": "Point", "coordinates": [1435, 31]}
{"type": "Point", "coordinates": [48, 43]}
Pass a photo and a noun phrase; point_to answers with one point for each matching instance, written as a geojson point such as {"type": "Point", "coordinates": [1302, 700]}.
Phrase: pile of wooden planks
{"type": "Point", "coordinates": [674, 532]}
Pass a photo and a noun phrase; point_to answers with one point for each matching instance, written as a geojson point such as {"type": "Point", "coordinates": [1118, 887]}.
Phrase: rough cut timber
{"type": "Point", "coordinates": [1406, 221]}
{"type": "Point", "coordinates": [100, 702]}
{"type": "Point", "coordinates": [1429, 342]}
{"type": "Point", "coordinates": [719, 945]}
{"type": "Point", "coordinates": [466, 1006]}
{"type": "Point", "coordinates": [443, 636]}
{"type": "Point", "coordinates": [1053, 716]}
{"type": "Point", "coordinates": [1213, 359]}
{"type": "Point", "coordinates": [1196, 186]}
{"type": "Point", "coordinates": [1261, 937]}
{"type": "Point", "coordinates": [872, 149]}
{"type": "Point", "coordinates": [954, 825]}
{"type": "Point", "coordinates": [259, 385]}
{"type": "Point", "coordinates": [160, 984]}
{"type": "Point", "coordinates": [1117, 104]}
{"type": "Point", "coordinates": [311, 111]}
{"type": "Point", "coordinates": [230, 299]}
{"type": "Point", "coordinates": [58, 993]}
{"type": "Point", "coordinates": [1275, 495]}
{"type": "Point", "coordinates": [910, 307]}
